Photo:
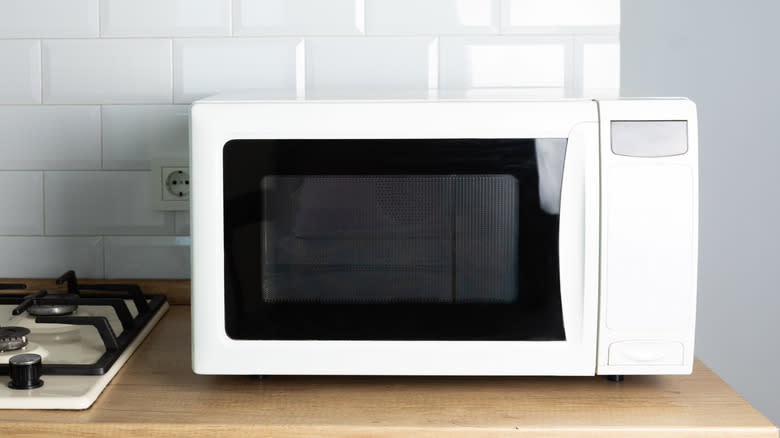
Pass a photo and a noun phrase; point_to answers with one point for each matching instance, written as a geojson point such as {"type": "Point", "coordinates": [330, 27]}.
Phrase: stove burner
{"type": "Point", "coordinates": [45, 304]}
{"type": "Point", "coordinates": [13, 338]}
{"type": "Point", "coordinates": [41, 308]}
{"type": "Point", "coordinates": [50, 311]}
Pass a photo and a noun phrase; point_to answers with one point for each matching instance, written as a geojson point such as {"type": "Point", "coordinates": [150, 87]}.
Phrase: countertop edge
{"type": "Point", "coordinates": [66, 430]}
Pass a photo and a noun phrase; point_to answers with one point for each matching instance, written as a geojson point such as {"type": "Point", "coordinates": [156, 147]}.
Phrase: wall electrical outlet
{"type": "Point", "coordinates": [176, 183]}
{"type": "Point", "coordinates": [170, 184]}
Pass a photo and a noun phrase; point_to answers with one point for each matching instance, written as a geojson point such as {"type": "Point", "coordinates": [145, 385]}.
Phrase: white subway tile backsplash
{"type": "Point", "coordinates": [107, 71]}
{"type": "Point", "coordinates": [133, 135]}
{"type": "Point", "coordinates": [368, 63]}
{"type": "Point", "coordinates": [48, 18]}
{"type": "Point", "coordinates": [298, 17]}
{"type": "Point", "coordinates": [182, 222]}
{"type": "Point", "coordinates": [123, 18]}
{"type": "Point", "coordinates": [115, 202]}
{"type": "Point", "coordinates": [559, 16]}
{"type": "Point", "coordinates": [32, 257]}
{"type": "Point", "coordinates": [147, 257]}
{"type": "Point", "coordinates": [91, 91]}
{"type": "Point", "coordinates": [209, 66]}
{"type": "Point", "coordinates": [21, 197]}
{"type": "Point", "coordinates": [443, 17]}
{"type": "Point", "coordinates": [49, 137]}
{"type": "Point", "coordinates": [468, 62]}
{"type": "Point", "coordinates": [600, 62]}
{"type": "Point", "coordinates": [20, 70]}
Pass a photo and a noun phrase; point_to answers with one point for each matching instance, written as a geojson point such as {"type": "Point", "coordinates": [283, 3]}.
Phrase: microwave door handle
{"type": "Point", "coordinates": [578, 239]}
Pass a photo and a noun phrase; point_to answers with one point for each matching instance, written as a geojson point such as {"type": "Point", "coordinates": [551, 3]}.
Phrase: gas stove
{"type": "Point", "coordinates": [59, 348]}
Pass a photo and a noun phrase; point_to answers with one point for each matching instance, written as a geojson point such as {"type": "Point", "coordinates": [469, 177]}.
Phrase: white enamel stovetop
{"type": "Point", "coordinates": [66, 344]}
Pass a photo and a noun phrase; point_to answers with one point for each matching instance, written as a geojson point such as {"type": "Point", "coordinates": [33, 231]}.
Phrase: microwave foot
{"type": "Point", "coordinates": [615, 377]}
{"type": "Point", "coordinates": [256, 376]}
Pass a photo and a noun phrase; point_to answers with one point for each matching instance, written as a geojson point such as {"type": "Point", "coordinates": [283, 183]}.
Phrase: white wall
{"type": "Point", "coordinates": [90, 90]}
{"type": "Point", "coordinates": [724, 55]}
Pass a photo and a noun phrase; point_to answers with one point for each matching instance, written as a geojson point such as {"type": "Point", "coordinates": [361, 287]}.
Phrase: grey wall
{"type": "Point", "coordinates": [724, 55]}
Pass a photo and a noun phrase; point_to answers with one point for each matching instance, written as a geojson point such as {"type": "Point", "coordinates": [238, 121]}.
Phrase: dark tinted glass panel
{"type": "Point", "coordinates": [424, 238]}
{"type": "Point", "coordinates": [393, 239]}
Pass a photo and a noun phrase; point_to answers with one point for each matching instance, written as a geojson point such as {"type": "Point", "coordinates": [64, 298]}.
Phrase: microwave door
{"type": "Point", "coordinates": [393, 239]}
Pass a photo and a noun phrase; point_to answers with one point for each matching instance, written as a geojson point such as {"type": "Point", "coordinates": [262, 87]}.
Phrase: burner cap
{"type": "Point", "coordinates": [41, 308]}
{"type": "Point", "coordinates": [13, 338]}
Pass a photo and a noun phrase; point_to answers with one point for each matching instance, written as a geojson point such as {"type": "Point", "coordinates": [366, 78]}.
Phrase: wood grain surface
{"type": "Point", "coordinates": [157, 394]}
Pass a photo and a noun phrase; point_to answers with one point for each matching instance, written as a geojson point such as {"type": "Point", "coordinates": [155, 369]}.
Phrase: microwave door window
{"type": "Point", "coordinates": [348, 234]}
{"type": "Point", "coordinates": [393, 239]}
{"type": "Point", "coordinates": [425, 238]}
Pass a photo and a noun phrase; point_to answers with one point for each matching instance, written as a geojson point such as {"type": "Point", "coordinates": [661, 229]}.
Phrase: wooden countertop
{"type": "Point", "coordinates": [157, 394]}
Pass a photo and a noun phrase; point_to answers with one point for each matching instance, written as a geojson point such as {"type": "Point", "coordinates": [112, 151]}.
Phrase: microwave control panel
{"type": "Point", "coordinates": [649, 220]}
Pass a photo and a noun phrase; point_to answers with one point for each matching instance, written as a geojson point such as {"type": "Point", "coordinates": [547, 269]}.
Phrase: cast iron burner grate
{"type": "Point", "coordinates": [113, 295]}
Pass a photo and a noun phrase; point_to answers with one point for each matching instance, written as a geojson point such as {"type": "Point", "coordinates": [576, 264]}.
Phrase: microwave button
{"type": "Point", "coordinates": [646, 353]}
{"type": "Point", "coordinates": [648, 139]}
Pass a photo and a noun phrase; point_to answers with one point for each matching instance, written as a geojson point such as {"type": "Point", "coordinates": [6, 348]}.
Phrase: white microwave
{"type": "Point", "coordinates": [443, 235]}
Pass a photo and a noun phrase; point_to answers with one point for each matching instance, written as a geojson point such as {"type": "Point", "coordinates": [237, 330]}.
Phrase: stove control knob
{"type": "Point", "coordinates": [25, 371]}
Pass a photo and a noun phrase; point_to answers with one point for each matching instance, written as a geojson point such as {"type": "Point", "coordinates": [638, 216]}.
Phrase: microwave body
{"type": "Point", "coordinates": [443, 236]}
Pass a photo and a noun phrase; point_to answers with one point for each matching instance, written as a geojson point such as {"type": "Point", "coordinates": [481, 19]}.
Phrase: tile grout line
{"type": "Point", "coordinates": [43, 201]}
{"type": "Point", "coordinates": [300, 67]}
{"type": "Point", "coordinates": [231, 10]}
{"type": "Point", "coordinates": [173, 75]}
{"type": "Point", "coordinates": [30, 105]}
{"type": "Point", "coordinates": [103, 250]}
{"type": "Point", "coordinates": [74, 170]}
{"type": "Point", "coordinates": [99, 20]}
{"type": "Point", "coordinates": [100, 133]}
{"type": "Point", "coordinates": [365, 19]}
{"type": "Point", "coordinates": [576, 69]}
{"type": "Point", "coordinates": [40, 53]}
{"type": "Point", "coordinates": [93, 235]}
{"type": "Point", "coordinates": [563, 31]}
{"type": "Point", "coordinates": [438, 63]}
{"type": "Point", "coordinates": [568, 65]}
{"type": "Point", "coordinates": [500, 7]}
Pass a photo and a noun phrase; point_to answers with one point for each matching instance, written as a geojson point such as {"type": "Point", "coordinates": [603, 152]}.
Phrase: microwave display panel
{"type": "Point", "coordinates": [446, 239]}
